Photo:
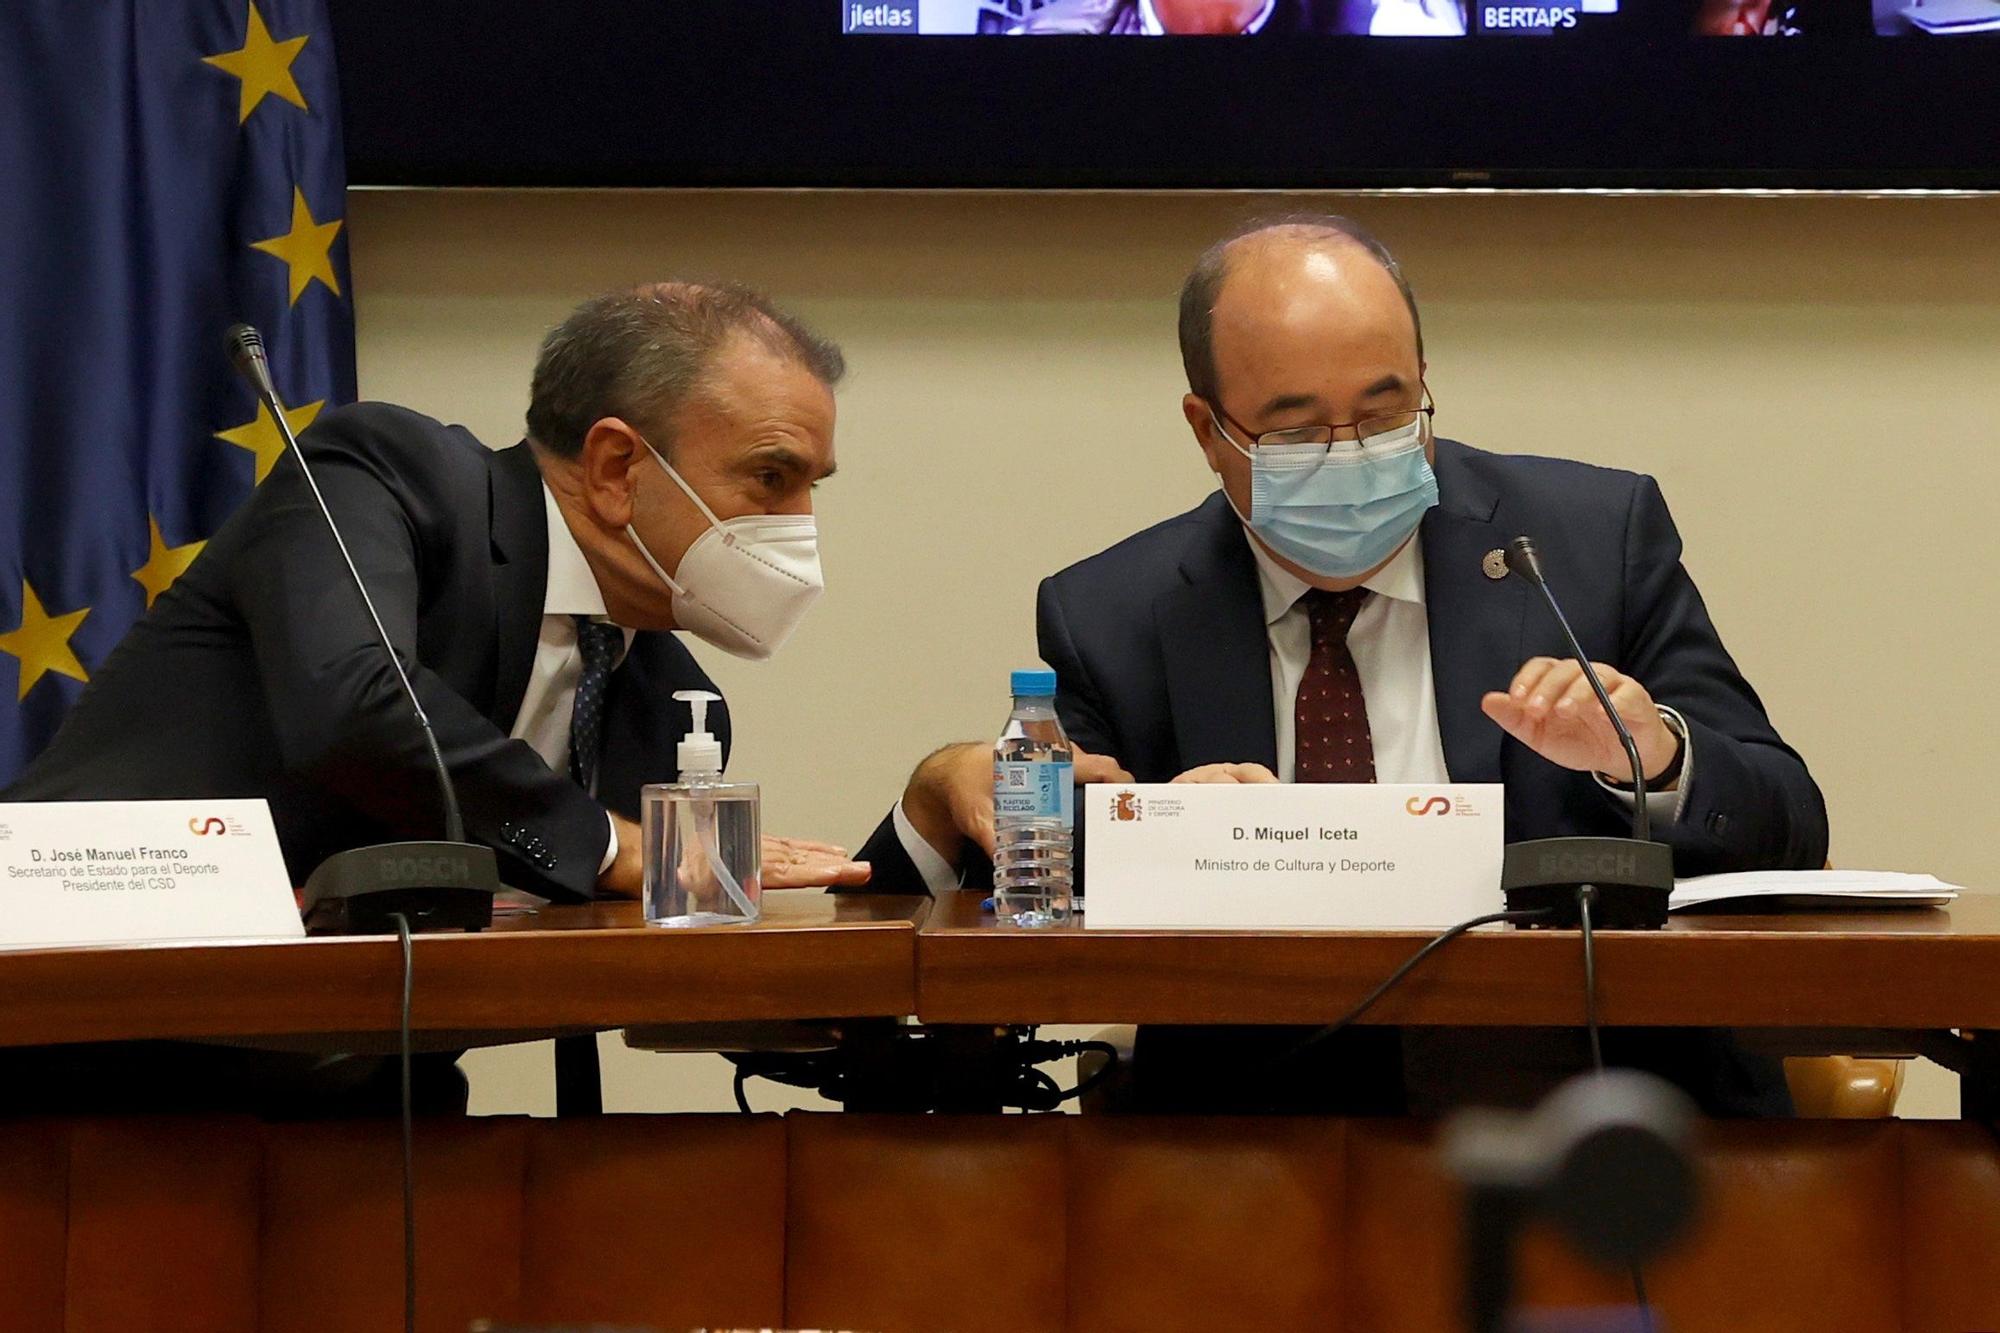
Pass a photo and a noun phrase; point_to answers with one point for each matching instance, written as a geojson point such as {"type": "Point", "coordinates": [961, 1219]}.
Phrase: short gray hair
{"type": "Point", "coordinates": [639, 354]}
{"type": "Point", "coordinates": [1204, 286]}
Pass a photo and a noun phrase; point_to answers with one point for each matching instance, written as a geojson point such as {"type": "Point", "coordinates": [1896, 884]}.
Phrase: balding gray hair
{"type": "Point", "coordinates": [639, 354]}
{"type": "Point", "coordinates": [1204, 285]}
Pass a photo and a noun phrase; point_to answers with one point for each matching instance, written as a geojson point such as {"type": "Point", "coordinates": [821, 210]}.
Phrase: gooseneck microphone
{"type": "Point", "coordinates": [1608, 1157]}
{"type": "Point", "coordinates": [1629, 879]}
{"type": "Point", "coordinates": [436, 884]}
{"type": "Point", "coordinates": [1525, 562]}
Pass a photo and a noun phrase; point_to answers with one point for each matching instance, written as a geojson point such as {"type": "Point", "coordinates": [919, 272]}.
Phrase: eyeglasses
{"type": "Point", "coordinates": [1358, 434]}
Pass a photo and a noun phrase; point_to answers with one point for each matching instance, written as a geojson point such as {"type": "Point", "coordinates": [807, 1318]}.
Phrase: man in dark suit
{"type": "Point", "coordinates": [674, 427]}
{"type": "Point", "coordinates": [1338, 612]}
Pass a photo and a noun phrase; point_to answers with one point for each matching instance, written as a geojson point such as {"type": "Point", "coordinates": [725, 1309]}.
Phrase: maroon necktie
{"type": "Point", "coordinates": [1330, 719]}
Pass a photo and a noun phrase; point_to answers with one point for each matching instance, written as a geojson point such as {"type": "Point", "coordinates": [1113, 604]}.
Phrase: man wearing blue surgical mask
{"type": "Point", "coordinates": [1339, 612]}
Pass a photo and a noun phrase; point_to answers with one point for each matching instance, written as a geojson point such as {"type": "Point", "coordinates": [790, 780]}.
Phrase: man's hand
{"type": "Point", "coordinates": [1551, 709]}
{"type": "Point", "coordinates": [950, 799]}
{"type": "Point", "coordinates": [950, 796]}
{"type": "Point", "coordinates": [795, 863]}
{"type": "Point", "coordinates": [1224, 774]}
{"type": "Point", "coordinates": [789, 863]}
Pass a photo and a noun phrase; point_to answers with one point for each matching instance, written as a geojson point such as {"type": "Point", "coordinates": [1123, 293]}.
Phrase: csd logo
{"type": "Point", "coordinates": [1428, 805]}
{"type": "Point", "coordinates": [204, 827]}
{"type": "Point", "coordinates": [1125, 806]}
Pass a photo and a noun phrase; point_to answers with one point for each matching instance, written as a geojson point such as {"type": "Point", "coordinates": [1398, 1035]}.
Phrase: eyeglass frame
{"type": "Point", "coordinates": [1427, 410]}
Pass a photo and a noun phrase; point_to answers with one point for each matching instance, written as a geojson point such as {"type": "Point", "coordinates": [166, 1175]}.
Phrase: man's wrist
{"type": "Point", "coordinates": [626, 873]}
{"type": "Point", "coordinates": [1669, 739]}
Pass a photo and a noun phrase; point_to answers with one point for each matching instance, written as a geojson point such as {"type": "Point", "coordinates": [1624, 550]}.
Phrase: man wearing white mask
{"type": "Point", "coordinates": [675, 433]}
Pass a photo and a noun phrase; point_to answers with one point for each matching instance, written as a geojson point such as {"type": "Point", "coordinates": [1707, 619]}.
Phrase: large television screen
{"type": "Point", "coordinates": [1115, 94]}
{"type": "Point", "coordinates": [1405, 18]}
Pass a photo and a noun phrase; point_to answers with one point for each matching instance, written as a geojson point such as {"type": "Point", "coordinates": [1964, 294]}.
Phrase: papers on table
{"type": "Point", "coordinates": [1775, 890]}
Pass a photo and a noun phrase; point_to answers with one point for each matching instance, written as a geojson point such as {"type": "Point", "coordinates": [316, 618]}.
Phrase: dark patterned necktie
{"type": "Point", "coordinates": [598, 643]}
{"type": "Point", "coordinates": [1330, 718]}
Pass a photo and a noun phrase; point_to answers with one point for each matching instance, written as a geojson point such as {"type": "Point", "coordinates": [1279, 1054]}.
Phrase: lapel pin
{"type": "Point", "coordinates": [1494, 565]}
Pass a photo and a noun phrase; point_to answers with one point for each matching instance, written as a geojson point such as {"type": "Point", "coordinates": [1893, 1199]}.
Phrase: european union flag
{"type": "Point", "coordinates": [169, 167]}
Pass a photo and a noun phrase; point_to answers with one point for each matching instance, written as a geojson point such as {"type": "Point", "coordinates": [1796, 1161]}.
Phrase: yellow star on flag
{"type": "Point", "coordinates": [41, 642]}
{"type": "Point", "coordinates": [306, 248]}
{"type": "Point", "coordinates": [164, 563]}
{"type": "Point", "coordinates": [261, 438]}
{"type": "Point", "coordinates": [264, 66]}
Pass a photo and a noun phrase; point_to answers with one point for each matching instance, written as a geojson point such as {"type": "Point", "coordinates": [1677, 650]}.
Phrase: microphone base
{"type": "Point", "coordinates": [435, 885]}
{"type": "Point", "coordinates": [1632, 880]}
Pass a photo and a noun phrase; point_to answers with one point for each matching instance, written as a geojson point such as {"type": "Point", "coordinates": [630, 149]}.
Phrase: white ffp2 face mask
{"type": "Point", "coordinates": [745, 583]}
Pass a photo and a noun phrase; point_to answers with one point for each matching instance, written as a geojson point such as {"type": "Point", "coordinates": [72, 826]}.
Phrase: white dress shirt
{"type": "Point", "coordinates": [543, 721]}
{"type": "Point", "coordinates": [1391, 643]}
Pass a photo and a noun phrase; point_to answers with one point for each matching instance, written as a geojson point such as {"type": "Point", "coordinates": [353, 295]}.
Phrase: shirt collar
{"type": "Point", "coordinates": [1401, 580]}
{"type": "Point", "coordinates": [1150, 21]}
{"type": "Point", "coordinates": [572, 588]}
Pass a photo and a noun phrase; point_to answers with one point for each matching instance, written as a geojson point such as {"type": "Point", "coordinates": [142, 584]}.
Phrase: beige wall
{"type": "Point", "coordinates": [1815, 382]}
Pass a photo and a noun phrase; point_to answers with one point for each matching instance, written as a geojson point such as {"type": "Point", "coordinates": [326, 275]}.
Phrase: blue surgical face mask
{"type": "Point", "coordinates": [1337, 514]}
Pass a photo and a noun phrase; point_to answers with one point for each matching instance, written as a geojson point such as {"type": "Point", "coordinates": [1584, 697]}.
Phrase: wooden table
{"type": "Point", "coordinates": [552, 971]}
{"type": "Point", "coordinates": [1883, 981]}
{"type": "Point", "coordinates": [1916, 968]}
{"type": "Point", "coordinates": [1911, 981]}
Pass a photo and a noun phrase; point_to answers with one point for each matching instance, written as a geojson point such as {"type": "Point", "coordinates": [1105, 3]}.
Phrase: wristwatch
{"type": "Point", "coordinates": [1672, 772]}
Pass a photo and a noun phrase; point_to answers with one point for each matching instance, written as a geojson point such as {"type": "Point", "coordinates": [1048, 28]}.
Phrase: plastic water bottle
{"type": "Point", "coordinates": [1034, 808]}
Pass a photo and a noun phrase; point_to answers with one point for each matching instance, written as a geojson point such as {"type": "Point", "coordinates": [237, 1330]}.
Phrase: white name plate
{"type": "Point", "coordinates": [139, 872]}
{"type": "Point", "coordinates": [1296, 856]}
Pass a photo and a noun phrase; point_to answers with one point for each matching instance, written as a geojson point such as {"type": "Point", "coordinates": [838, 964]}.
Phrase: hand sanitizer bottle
{"type": "Point", "coordinates": [703, 836]}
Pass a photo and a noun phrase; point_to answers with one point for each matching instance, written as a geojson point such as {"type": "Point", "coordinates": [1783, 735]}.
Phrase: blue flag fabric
{"type": "Point", "coordinates": [167, 167]}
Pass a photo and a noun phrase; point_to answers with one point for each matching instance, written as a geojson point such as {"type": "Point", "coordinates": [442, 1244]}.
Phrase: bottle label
{"type": "Point", "coordinates": [1035, 790]}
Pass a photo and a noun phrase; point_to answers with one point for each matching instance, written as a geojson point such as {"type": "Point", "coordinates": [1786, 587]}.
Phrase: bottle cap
{"type": "Point", "coordinates": [1034, 684]}
{"type": "Point", "coordinates": [700, 752]}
